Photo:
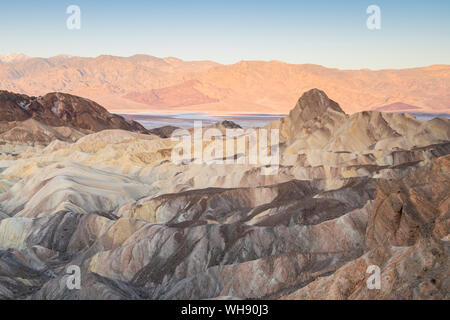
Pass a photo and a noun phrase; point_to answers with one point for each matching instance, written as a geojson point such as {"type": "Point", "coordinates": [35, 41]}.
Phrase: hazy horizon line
{"type": "Point", "coordinates": [220, 63]}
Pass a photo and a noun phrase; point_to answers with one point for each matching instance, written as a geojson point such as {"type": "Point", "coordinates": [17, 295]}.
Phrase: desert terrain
{"type": "Point", "coordinates": [80, 186]}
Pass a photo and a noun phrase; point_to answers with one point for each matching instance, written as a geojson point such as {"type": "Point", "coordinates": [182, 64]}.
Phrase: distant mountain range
{"type": "Point", "coordinates": [82, 187]}
{"type": "Point", "coordinates": [143, 83]}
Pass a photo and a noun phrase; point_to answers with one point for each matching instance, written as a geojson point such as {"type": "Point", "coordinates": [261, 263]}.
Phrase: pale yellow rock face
{"type": "Point", "coordinates": [32, 130]}
{"type": "Point", "coordinates": [70, 186]}
{"type": "Point", "coordinates": [120, 231]}
{"type": "Point", "coordinates": [14, 232]}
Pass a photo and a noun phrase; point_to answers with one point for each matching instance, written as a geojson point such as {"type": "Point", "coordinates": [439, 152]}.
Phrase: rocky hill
{"type": "Point", "coordinates": [318, 123]}
{"type": "Point", "coordinates": [56, 110]}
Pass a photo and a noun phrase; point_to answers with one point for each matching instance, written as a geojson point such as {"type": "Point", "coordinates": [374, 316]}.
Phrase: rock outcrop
{"type": "Point", "coordinates": [33, 131]}
{"type": "Point", "coordinates": [407, 237]}
{"type": "Point", "coordinates": [163, 132]}
{"type": "Point", "coordinates": [59, 109]}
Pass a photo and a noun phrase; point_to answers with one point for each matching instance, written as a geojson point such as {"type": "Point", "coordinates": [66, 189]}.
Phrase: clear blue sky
{"type": "Point", "coordinates": [327, 32]}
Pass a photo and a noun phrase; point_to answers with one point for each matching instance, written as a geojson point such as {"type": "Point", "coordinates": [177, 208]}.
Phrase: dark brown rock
{"type": "Point", "coordinates": [61, 109]}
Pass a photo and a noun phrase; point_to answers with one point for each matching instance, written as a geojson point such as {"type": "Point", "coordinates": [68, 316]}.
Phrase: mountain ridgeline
{"type": "Point", "coordinates": [141, 83]}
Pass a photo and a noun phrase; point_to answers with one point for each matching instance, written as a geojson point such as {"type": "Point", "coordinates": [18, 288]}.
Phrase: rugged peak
{"type": "Point", "coordinates": [313, 110]}
{"type": "Point", "coordinates": [313, 103]}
